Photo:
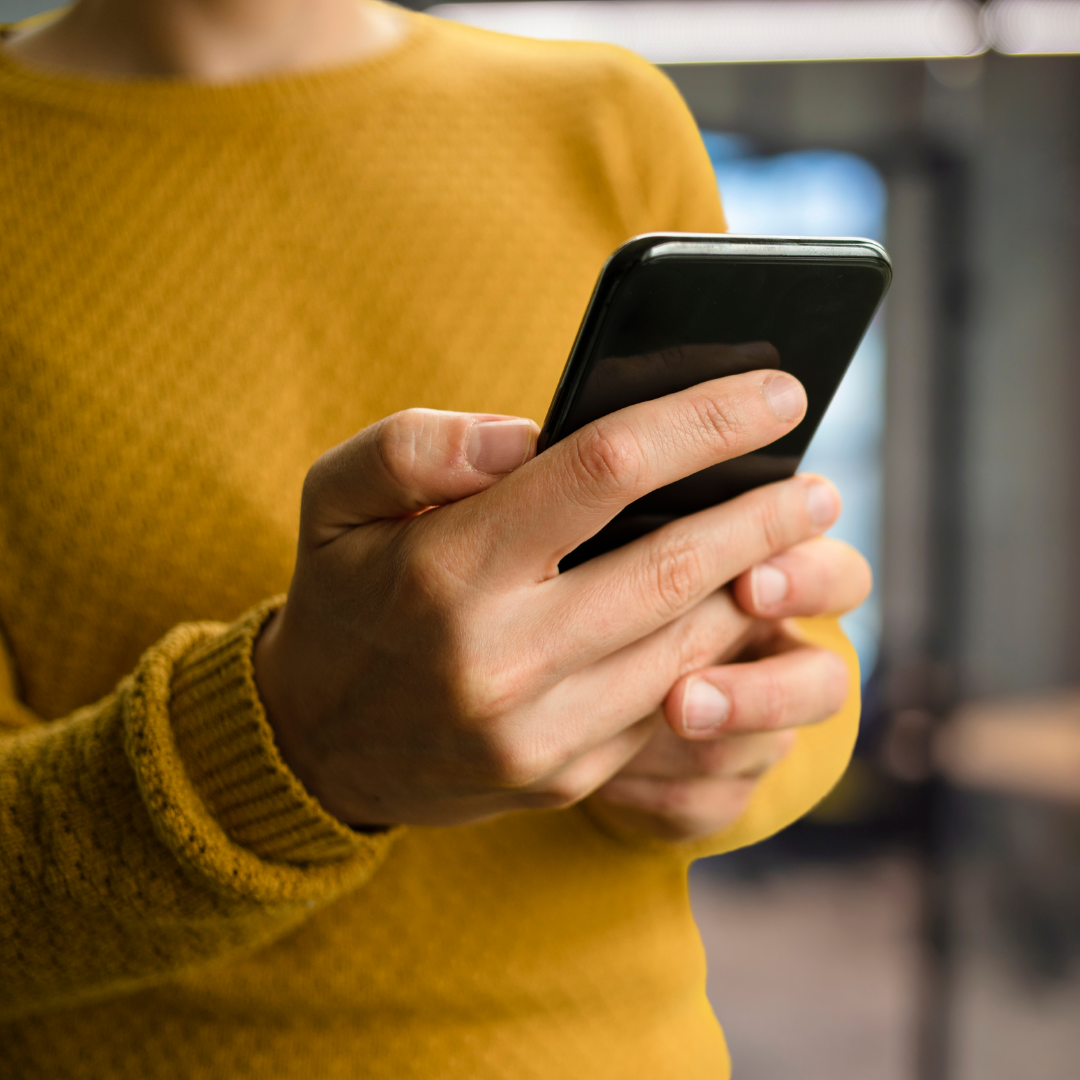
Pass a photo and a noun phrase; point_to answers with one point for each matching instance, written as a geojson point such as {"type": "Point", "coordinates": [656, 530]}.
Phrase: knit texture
{"type": "Point", "coordinates": [202, 289]}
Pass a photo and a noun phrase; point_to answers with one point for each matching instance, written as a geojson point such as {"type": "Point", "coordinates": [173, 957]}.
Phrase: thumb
{"type": "Point", "coordinates": [408, 462]}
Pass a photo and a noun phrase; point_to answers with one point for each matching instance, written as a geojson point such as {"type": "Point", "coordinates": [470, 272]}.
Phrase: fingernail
{"type": "Point", "coordinates": [822, 505]}
{"type": "Point", "coordinates": [499, 446]}
{"type": "Point", "coordinates": [768, 585]}
{"type": "Point", "coordinates": [705, 707]}
{"type": "Point", "coordinates": [785, 396]}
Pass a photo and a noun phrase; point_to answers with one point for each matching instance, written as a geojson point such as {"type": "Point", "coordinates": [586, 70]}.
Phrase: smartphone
{"type": "Point", "coordinates": [674, 309]}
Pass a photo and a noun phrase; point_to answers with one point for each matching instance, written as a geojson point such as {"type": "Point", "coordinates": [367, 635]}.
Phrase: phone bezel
{"type": "Point", "coordinates": [719, 246]}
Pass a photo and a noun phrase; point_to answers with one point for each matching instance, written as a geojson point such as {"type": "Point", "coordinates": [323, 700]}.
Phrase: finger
{"type": "Point", "coordinates": [616, 658]}
{"type": "Point", "coordinates": [578, 485]}
{"type": "Point", "coordinates": [800, 687]}
{"type": "Point", "coordinates": [667, 756]}
{"type": "Point", "coordinates": [603, 697]}
{"type": "Point", "coordinates": [595, 707]}
{"type": "Point", "coordinates": [620, 597]}
{"type": "Point", "coordinates": [674, 809]}
{"type": "Point", "coordinates": [818, 577]}
{"type": "Point", "coordinates": [408, 462]}
{"type": "Point", "coordinates": [581, 776]}
{"type": "Point", "coordinates": [683, 789]}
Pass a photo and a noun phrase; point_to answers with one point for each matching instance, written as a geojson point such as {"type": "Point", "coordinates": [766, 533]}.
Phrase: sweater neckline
{"type": "Point", "coordinates": [155, 100]}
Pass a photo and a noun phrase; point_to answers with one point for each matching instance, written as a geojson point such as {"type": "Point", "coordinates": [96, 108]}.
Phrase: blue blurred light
{"type": "Point", "coordinates": [826, 193]}
{"type": "Point", "coordinates": [807, 193]}
{"type": "Point", "coordinates": [724, 147]}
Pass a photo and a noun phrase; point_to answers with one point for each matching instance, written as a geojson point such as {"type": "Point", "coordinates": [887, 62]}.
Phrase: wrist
{"type": "Point", "coordinates": [230, 762]}
{"type": "Point", "coordinates": [273, 680]}
{"type": "Point", "coordinates": [264, 663]}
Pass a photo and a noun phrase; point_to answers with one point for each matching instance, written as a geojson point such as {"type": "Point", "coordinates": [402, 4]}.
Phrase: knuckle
{"type": "Point", "coordinates": [774, 524]}
{"type": "Point", "coordinates": [559, 794]}
{"type": "Point", "coordinates": [508, 766]}
{"type": "Point", "coordinates": [773, 703]}
{"type": "Point", "coordinates": [395, 446]}
{"type": "Point", "coordinates": [719, 420]}
{"type": "Point", "coordinates": [607, 457]}
{"type": "Point", "coordinates": [485, 693]}
{"type": "Point", "coordinates": [705, 635]}
{"type": "Point", "coordinates": [487, 708]}
{"type": "Point", "coordinates": [518, 767]}
{"type": "Point", "coordinates": [675, 574]}
{"type": "Point", "coordinates": [694, 647]}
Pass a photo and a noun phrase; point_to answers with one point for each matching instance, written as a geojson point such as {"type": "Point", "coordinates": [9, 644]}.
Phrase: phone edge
{"type": "Point", "coordinates": [647, 246]}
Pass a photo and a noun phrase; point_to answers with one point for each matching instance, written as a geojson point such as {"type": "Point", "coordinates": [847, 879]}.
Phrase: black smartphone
{"type": "Point", "coordinates": [674, 309]}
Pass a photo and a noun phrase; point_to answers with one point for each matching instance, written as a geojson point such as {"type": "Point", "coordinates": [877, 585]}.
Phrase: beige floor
{"type": "Point", "coordinates": [814, 974]}
{"type": "Point", "coordinates": [1008, 1027]}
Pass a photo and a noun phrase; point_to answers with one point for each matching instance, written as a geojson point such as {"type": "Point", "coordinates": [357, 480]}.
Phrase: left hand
{"type": "Point", "coordinates": [722, 727]}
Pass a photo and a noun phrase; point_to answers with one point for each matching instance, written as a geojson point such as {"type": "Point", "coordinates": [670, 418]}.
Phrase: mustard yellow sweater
{"type": "Point", "coordinates": [201, 290]}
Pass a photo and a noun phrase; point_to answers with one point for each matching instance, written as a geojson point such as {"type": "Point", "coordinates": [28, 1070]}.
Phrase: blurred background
{"type": "Point", "coordinates": [924, 922]}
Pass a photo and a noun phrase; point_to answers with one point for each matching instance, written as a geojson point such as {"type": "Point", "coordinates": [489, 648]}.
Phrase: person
{"type": "Point", "coordinates": [284, 283]}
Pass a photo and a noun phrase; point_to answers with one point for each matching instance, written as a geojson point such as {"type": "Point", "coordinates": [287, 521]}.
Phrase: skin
{"type": "Point", "coordinates": [431, 666]}
{"type": "Point", "coordinates": [210, 41]}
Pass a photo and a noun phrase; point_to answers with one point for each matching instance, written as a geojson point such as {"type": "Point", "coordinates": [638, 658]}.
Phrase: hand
{"type": "Point", "coordinates": [727, 726]}
{"type": "Point", "coordinates": [434, 667]}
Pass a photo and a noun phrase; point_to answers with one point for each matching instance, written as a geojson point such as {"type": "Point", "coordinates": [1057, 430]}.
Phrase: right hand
{"type": "Point", "coordinates": [431, 666]}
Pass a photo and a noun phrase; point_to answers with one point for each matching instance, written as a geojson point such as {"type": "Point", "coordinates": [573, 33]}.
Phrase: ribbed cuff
{"type": "Point", "coordinates": [228, 750]}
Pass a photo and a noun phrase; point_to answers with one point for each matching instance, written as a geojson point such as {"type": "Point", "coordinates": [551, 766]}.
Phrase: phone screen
{"type": "Point", "coordinates": [670, 322]}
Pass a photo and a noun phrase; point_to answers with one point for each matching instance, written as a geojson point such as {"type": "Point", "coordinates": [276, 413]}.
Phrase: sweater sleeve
{"type": "Point", "coordinates": [156, 829]}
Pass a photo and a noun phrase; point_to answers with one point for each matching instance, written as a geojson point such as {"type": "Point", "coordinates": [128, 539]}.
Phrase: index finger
{"type": "Point", "coordinates": [551, 505]}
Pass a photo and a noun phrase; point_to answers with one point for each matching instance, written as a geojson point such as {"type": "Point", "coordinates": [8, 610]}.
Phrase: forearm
{"type": "Point", "coordinates": [155, 830]}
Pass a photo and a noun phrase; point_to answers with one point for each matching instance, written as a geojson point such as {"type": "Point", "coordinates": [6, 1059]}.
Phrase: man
{"type": "Point", "coordinates": [431, 815]}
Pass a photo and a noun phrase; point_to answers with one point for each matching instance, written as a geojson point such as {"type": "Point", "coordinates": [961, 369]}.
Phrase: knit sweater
{"type": "Point", "coordinates": [202, 288]}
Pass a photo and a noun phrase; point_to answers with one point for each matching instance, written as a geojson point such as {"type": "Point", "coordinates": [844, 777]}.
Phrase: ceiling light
{"type": "Point", "coordinates": [1033, 26]}
{"type": "Point", "coordinates": [711, 31]}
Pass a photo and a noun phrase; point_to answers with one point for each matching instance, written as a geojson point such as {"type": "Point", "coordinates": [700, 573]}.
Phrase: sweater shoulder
{"type": "Point", "coordinates": [577, 74]}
